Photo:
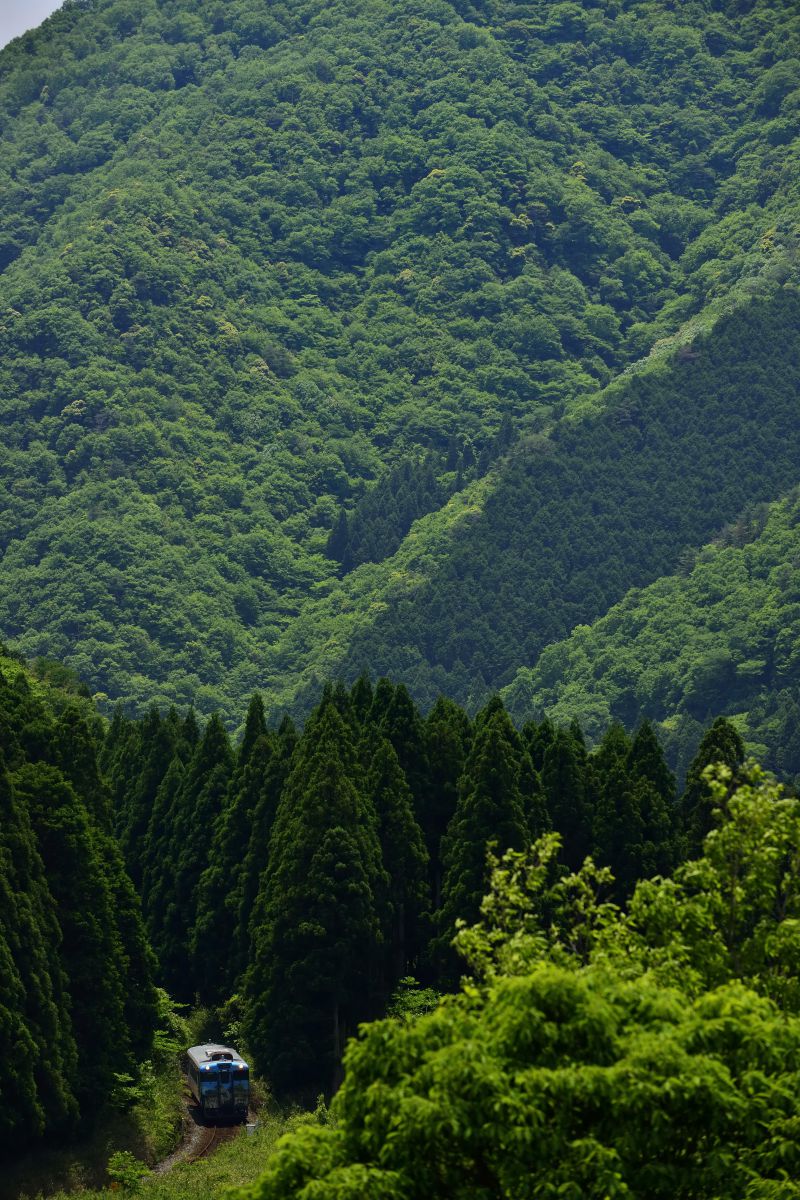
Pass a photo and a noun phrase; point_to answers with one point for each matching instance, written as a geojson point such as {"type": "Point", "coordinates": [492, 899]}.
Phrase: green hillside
{"type": "Point", "coordinates": [720, 636]}
{"type": "Point", "coordinates": [570, 522]}
{"type": "Point", "coordinates": [257, 260]}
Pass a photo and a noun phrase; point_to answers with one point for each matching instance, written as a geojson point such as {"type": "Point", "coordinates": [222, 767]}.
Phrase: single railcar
{"type": "Point", "coordinates": [219, 1080]}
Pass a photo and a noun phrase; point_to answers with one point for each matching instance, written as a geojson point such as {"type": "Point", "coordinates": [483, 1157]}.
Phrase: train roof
{"type": "Point", "coordinates": [210, 1052]}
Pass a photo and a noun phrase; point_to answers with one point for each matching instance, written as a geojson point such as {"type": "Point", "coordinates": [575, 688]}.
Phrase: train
{"type": "Point", "coordinates": [219, 1080]}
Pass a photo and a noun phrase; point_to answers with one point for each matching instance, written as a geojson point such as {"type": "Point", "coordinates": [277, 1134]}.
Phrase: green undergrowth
{"type": "Point", "coordinates": [237, 1162]}
{"type": "Point", "coordinates": [144, 1120]}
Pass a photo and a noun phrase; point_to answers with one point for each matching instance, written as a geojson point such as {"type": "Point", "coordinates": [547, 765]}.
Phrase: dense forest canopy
{"type": "Point", "coordinates": [300, 878]}
{"type": "Point", "coordinates": [78, 1005]}
{"type": "Point", "coordinates": [720, 636]}
{"type": "Point", "coordinates": [427, 372]}
{"type": "Point", "coordinates": [590, 1052]}
{"type": "Point", "coordinates": [266, 269]}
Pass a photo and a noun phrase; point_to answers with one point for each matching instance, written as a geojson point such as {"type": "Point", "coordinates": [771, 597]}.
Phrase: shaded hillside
{"type": "Point", "coordinates": [721, 636]}
{"type": "Point", "coordinates": [573, 521]}
{"type": "Point", "coordinates": [77, 1002]}
{"type": "Point", "coordinates": [257, 256]}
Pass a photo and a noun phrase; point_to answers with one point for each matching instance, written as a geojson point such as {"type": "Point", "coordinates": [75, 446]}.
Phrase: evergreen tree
{"type": "Point", "coordinates": [39, 1056]}
{"type": "Point", "coordinates": [155, 875]}
{"type": "Point", "coordinates": [646, 760]}
{"type": "Point", "coordinates": [155, 747]}
{"type": "Point", "coordinates": [137, 963]}
{"type": "Point", "coordinates": [720, 744]}
{"type": "Point", "coordinates": [275, 773]}
{"type": "Point", "coordinates": [448, 734]}
{"type": "Point", "coordinates": [398, 719]}
{"type": "Point", "coordinates": [75, 754]}
{"type": "Point", "coordinates": [534, 801]}
{"type": "Point", "coordinates": [490, 811]}
{"type": "Point", "coordinates": [315, 926]}
{"type": "Point", "coordinates": [405, 860]}
{"type": "Point", "coordinates": [618, 828]}
{"type": "Point", "coordinates": [338, 544]}
{"type": "Point", "coordinates": [191, 821]}
{"type": "Point", "coordinates": [538, 738]}
{"type": "Point", "coordinates": [91, 949]}
{"type": "Point", "coordinates": [212, 945]}
{"type": "Point", "coordinates": [564, 782]}
{"type": "Point", "coordinates": [362, 696]}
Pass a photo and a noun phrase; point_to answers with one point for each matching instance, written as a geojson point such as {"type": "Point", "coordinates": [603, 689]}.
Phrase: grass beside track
{"type": "Point", "coordinates": [235, 1162]}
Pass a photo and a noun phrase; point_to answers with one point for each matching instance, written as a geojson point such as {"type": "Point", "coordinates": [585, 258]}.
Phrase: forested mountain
{"type": "Point", "coordinates": [720, 636]}
{"type": "Point", "coordinates": [572, 521]}
{"type": "Point", "coordinates": [302, 877]}
{"type": "Point", "coordinates": [77, 1000]}
{"type": "Point", "coordinates": [263, 263]}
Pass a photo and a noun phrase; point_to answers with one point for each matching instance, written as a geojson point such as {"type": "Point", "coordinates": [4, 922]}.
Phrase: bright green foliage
{"type": "Point", "coordinates": [655, 1056]}
{"type": "Point", "coordinates": [259, 263]}
{"type": "Point", "coordinates": [316, 926]}
{"type": "Point", "coordinates": [717, 638]}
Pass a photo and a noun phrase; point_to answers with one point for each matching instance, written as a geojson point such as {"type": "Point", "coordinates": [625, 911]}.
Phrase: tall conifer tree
{"type": "Point", "coordinates": [720, 744]}
{"type": "Point", "coordinates": [315, 927]}
{"type": "Point", "coordinates": [448, 734]}
{"type": "Point", "coordinates": [490, 811]}
{"type": "Point", "coordinates": [193, 813]}
{"type": "Point", "coordinates": [212, 945]}
{"type": "Point", "coordinates": [399, 721]}
{"type": "Point", "coordinates": [564, 782]}
{"type": "Point", "coordinates": [91, 949]}
{"type": "Point", "coordinates": [40, 1056]}
{"type": "Point", "coordinates": [275, 773]}
{"type": "Point", "coordinates": [405, 860]}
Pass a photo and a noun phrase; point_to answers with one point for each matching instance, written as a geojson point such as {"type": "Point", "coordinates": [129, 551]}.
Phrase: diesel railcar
{"type": "Point", "coordinates": [219, 1080]}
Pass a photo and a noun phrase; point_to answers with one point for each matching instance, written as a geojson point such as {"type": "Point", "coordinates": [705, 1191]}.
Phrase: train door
{"type": "Point", "coordinates": [225, 1087]}
{"type": "Point", "coordinates": [241, 1088]}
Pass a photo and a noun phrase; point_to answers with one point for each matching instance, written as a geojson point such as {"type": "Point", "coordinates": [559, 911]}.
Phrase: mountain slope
{"type": "Point", "coordinates": [254, 256]}
{"type": "Point", "coordinates": [606, 503]}
{"type": "Point", "coordinates": [718, 637]}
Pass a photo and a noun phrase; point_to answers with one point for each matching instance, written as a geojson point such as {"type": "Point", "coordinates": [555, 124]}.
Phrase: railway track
{"type": "Point", "coordinates": [209, 1143]}
{"type": "Point", "coordinates": [216, 1135]}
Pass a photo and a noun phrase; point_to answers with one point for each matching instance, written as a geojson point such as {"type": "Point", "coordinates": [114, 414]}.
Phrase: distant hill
{"type": "Point", "coordinates": [720, 637]}
{"type": "Point", "coordinates": [261, 263]}
{"type": "Point", "coordinates": [570, 522]}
